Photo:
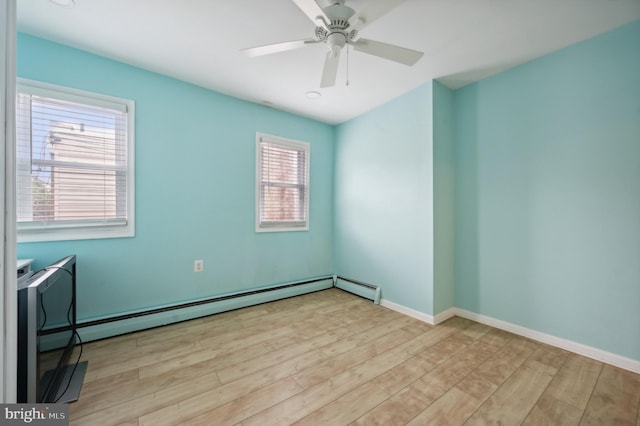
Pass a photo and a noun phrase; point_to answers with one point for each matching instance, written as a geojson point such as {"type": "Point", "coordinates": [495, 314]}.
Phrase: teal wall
{"type": "Point", "coordinates": [548, 194]}
{"type": "Point", "coordinates": [517, 197]}
{"type": "Point", "coordinates": [195, 191]}
{"type": "Point", "coordinates": [394, 187]}
{"type": "Point", "coordinates": [443, 198]}
{"type": "Point", "coordinates": [384, 199]}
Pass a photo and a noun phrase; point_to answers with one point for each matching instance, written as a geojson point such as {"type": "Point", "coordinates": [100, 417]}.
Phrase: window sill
{"type": "Point", "coordinates": [281, 229]}
{"type": "Point", "coordinates": [97, 233]}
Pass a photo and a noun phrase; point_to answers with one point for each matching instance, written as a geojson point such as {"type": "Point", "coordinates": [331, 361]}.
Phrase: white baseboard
{"type": "Point", "coordinates": [407, 311]}
{"type": "Point", "coordinates": [569, 345]}
{"type": "Point", "coordinates": [429, 319]}
{"type": "Point", "coordinates": [444, 315]}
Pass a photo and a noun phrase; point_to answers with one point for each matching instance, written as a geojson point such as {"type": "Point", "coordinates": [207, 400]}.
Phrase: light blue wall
{"type": "Point", "coordinates": [548, 194]}
{"type": "Point", "coordinates": [384, 199]}
{"type": "Point", "coordinates": [443, 198]}
{"type": "Point", "coordinates": [195, 191]}
{"type": "Point", "coordinates": [545, 170]}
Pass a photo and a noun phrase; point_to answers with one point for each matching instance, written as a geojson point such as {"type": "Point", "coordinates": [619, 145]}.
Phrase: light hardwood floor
{"type": "Point", "coordinates": [331, 358]}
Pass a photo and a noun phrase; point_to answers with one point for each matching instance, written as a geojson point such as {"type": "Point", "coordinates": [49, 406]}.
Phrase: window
{"type": "Point", "coordinates": [282, 188]}
{"type": "Point", "coordinates": [74, 164]}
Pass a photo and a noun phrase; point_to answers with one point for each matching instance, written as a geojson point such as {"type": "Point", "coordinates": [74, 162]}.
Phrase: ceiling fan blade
{"type": "Point", "coordinates": [275, 48]}
{"type": "Point", "coordinates": [330, 71]}
{"type": "Point", "coordinates": [314, 12]}
{"type": "Point", "coordinates": [372, 10]}
{"type": "Point", "coordinates": [387, 51]}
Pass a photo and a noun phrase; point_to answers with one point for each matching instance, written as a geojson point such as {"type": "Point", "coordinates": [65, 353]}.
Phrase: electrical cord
{"type": "Point", "coordinates": [75, 332]}
{"type": "Point", "coordinates": [74, 367]}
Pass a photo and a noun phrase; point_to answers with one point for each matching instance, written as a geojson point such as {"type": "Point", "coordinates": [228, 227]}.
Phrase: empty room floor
{"type": "Point", "coordinates": [332, 358]}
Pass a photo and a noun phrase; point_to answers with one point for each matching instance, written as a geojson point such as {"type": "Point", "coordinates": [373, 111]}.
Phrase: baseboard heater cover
{"type": "Point", "coordinates": [360, 288]}
{"type": "Point", "coordinates": [139, 320]}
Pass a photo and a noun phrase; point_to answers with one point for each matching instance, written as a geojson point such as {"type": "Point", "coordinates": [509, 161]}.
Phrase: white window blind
{"type": "Point", "coordinates": [73, 167]}
{"type": "Point", "coordinates": [282, 190]}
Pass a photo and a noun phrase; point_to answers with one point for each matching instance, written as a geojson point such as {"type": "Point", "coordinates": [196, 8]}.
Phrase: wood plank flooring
{"type": "Point", "coordinates": [332, 358]}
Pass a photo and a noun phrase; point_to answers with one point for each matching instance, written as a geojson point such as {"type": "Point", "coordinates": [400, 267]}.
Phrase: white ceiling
{"type": "Point", "coordinates": [199, 41]}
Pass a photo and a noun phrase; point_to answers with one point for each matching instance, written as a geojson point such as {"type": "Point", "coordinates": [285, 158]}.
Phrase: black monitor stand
{"type": "Point", "coordinates": [74, 376]}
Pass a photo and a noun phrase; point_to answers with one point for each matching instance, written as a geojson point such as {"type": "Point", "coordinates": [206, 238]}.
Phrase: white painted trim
{"type": "Point", "coordinates": [289, 143]}
{"type": "Point", "coordinates": [444, 315]}
{"type": "Point", "coordinates": [80, 230]}
{"type": "Point", "coordinates": [578, 348]}
{"type": "Point", "coordinates": [421, 316]}
{"type": "Point", "coordinates": [569, 345]}
{"type": "Point", "coordinates": [8, 299]}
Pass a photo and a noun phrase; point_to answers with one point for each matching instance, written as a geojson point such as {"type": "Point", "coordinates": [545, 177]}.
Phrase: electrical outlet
{"type": "Point", "coordinates": [198, 266]}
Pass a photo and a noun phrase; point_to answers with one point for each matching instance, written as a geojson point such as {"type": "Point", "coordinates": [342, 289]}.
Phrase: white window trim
{"type": "Point", "coordinates": [8, 299]}
{"type": "Point", "coordinates": [26, 232]}
{"type": "Point", "coordinates": [293, 144]}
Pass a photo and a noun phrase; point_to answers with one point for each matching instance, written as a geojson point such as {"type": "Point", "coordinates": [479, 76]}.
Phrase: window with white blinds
{"type": "Point", "coordinates": [282, 189]}
{"type": "Point", "coordinates": [74, 164]}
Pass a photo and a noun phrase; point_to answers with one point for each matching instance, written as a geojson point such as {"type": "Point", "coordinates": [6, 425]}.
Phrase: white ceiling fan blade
{"type": "Point", "coordinates": [387, 51]}
{"type": "Point", "coordinates": [372, 10]}
{"type": "Point", "coordinates": [275, 48]}
{"type": "Point", "coordinates": [330, 71]}
{"type": "Point", "coordinates": [313, 11]}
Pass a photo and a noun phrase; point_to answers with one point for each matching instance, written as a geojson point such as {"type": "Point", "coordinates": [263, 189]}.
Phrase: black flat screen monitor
{"type": "Point", "coordinates": [46, 331]}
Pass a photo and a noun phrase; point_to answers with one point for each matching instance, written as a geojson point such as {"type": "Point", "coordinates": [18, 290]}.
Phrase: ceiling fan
{"type": "Point", "coordinates": [338, 25]}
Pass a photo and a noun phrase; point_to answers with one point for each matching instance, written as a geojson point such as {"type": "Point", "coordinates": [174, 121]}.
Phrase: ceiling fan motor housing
{"type": "Point", "coordinates": [339, 15]}
{"type": "Point", "coordinates": [336, 26]}
{"type": "Point", "coordinates": [336, 33]}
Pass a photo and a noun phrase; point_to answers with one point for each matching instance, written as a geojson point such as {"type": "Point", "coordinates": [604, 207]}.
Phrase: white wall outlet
{"type": "Point", "coordinates": [198, 266]}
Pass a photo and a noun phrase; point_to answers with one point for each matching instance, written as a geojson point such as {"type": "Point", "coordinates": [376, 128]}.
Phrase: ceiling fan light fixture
{"type": "Point", "coordinates": [64, 3]}
{"type": "Point", "coordinates": [336, 40]}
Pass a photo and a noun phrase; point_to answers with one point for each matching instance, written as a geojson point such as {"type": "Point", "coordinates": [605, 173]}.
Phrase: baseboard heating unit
{"type": "Point", "coordinates": [368, 291]}
{"type": "Point", "coordinates": [100, 328]}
